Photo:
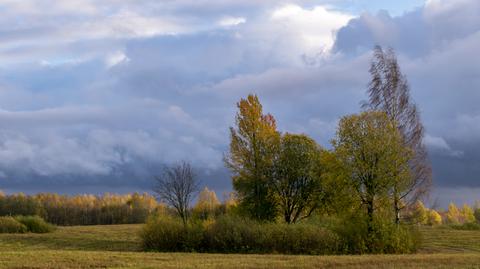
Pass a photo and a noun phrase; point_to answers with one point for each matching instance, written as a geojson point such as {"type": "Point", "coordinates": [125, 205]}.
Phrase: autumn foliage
{"type": "Point", "coordinates": [81, 209]}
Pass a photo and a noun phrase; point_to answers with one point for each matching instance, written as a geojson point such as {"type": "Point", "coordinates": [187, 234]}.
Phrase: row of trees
{"type": "Point", "coordinates": [452, 216]}
{"type": "Point", "coordinates": [81, 209]}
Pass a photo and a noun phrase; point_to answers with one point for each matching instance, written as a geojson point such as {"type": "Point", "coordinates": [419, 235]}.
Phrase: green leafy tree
{"type": "Point", "coordinates": [336, 183]}
{"type": "Point", "coordinates": [476, 211]}
{"type": "Point", "coordinates": [389, 92]}
{"type": "Point", "coordinates": [253, 144]}
{"type": "Point", "coordinates": [296, 181]}
{"type": "Point", "coordinates": [370, 148]}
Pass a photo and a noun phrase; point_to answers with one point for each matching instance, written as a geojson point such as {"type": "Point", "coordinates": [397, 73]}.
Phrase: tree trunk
{"type": "Point", "coordinates": [396, 206]}
{"type": "Point", "coordinates": [370, 228]}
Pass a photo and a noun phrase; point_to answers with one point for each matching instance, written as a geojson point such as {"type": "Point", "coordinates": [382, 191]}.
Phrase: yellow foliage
{"type": "Point", "coordinates": [467, 215]}
{"type": "Point", "coordinates": [206, 204]}
{"type": "Point", "coordinates": [453, 214]}
{"type": "Point", "coordinates": [420, 213]}
{"type": "Point", "coordinates": [252, 152]}
{"type": "Point", "coordinates": [230, 200]}
{"type": "Point", "coordinates": [434, 218]}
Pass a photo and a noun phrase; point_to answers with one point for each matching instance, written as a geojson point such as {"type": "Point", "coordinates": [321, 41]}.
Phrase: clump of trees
{"type": "Point", "coordinates": [464, 217]}
{"type": "Point", "coordinates": [378, 158]}
{"type": "Point", "coordinates": [274, 174]}
{"type": "Point", "coordinates": [81, 209]}
{"type": "Point", "coordinates": [366, 187]}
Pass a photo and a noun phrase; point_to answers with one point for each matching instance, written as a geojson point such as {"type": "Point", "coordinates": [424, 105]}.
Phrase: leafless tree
{"type": "Point", "coordinates": [177, 186]}
{"type": "Point", "coordinates": [389, 92]}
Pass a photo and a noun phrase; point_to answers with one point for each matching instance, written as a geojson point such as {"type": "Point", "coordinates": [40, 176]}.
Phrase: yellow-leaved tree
{"type": "Point", "coordinates": [207, 204]}
{"type": "Point", "coordinates": [434, 218]}
{"type": "Point", "coordinates": [420, 213]}
{"type": "Point", "coordinates": [467, 215]}
{"type": "Point", "coordinates": [453, 214]}
{"type": "Point", "coordinates": [253, 143]}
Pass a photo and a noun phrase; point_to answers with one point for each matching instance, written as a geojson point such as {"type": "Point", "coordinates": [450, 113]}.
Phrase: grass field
{"type": "Point", "coordinates": [118, 246]}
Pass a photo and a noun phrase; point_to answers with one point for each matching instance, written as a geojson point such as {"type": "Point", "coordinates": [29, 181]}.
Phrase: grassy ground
{"type": "Point", "coordinates": [118, 246]}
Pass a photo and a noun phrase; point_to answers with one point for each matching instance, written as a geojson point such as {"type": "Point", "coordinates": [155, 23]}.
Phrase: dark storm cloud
{"type": "Point", "coordinates": [101, 101]}
{"type": "Point", "coordinates": [436, 45]}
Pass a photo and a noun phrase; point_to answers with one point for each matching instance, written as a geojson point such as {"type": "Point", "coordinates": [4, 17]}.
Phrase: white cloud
{"type": "Point", "coordinates": [315, 26]}
{"type": "Point", "coordinates": [231, 21]}
{"type": "Point", "coordinates": [116, 58]}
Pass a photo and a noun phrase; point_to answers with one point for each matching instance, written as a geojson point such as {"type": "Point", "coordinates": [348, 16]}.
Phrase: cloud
{"type": "Point", "coordinates": [231, 21]}
{"type": "Point", "coordinates": [104, 93]}
{"type": "Point", "coordinates": [439, 144]}
{"type": "Point", "coordinates": [316, 27]}
{"type": "Point", "coordinates": [115, 58]}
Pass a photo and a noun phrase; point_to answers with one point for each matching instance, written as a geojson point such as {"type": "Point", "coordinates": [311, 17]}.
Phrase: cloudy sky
{"type": "Point", "coordinates": [96, 95]}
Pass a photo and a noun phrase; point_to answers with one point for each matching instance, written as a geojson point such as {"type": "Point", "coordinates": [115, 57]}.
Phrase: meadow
{"type": "Point", "coordinates": [118, 246]}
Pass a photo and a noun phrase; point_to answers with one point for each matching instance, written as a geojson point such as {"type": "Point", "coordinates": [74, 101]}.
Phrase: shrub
{"type": "Point", "coordinates": [35, 224]}
{"type": "Point", "coordinates": [301, 239]}
{"type": "Point", "coordinates": [10, 225]}
{"type": "Point", "coordinates": [167, 234]}
{"type": "Point", "coordinates": [237, 235]}
{"type": "Point", "coordinates": [396, 239]}
{"type": "Point", "coordinates": [471, 226]}
{"type": "Point", "coordinates": [386, 237]}
{"type": "Point", "coordinates": [233, 234]}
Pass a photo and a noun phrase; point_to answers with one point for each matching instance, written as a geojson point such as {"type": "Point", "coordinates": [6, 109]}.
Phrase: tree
{"type": "Point", "coordinates": [250, 159]}
{"type": "Point", "coordinates": [389, 92]}
{"type": "Point", "coordinates": [467, 214]}
{"type": "Point", "coordinates": [370, 148]}
{"type": "Point", "coordinates": [207, 204]}
{"type": "Point", "coordinates": [476, 213]}
{"type": "Point", "coordinates": [296, 179]}
{"type": "Point", "coordinates": [453, 214]}
{"type": "Point", "coordinates": [420, 213]}
{"type": "Point", "coordinates": [434, 218]}
{"type": "Point", "coordinates": [176, 187]}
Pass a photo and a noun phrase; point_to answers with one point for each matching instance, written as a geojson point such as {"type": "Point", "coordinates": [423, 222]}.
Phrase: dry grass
{"type": "Point", "coordinates": [117, 246]}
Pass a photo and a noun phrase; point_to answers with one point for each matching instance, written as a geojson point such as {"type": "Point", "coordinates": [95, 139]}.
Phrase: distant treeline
{"type": "Point", "coordinates": [81, 209]}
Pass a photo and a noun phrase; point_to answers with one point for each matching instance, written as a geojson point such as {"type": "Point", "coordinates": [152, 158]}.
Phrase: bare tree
{"type": "Point", "coordinates": [177, 186]}
{"type": "Point", "coordinates": [389, 92]}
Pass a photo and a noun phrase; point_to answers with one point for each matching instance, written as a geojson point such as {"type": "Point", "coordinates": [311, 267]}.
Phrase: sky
{"type": "Point", "coordinates": [96, 96]}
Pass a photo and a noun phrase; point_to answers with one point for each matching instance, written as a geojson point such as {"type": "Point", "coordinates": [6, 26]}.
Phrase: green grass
{"type": "Point", "coordinates": [447, 240]}
{"type": "Point", "coordinates": [118, 246]}
{"type": "Point", "coordinates": [88, 238]}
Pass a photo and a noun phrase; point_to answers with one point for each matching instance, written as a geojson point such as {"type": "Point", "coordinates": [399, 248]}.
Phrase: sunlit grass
{"type": "Point", "coordinates": [118, 246]}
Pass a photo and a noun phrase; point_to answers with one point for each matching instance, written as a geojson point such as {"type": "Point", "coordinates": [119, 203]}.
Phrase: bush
{"type": "Point", "coordinates": [230, 234]}
{"type": "Point", "coordinates": [470, 226]}
{"type": "Point", "coordinates": [35, 224]}
{"type": "Point", "coordinates": [167, 234]}
{"type": "Point", "coordinates": [386, 237]}
{"type": "Point", "coordinates": [301, 239]}
{"type": "Point", "coordinates": [10, 225]}
{"type": "Point", "coordinates": [237, 235]}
